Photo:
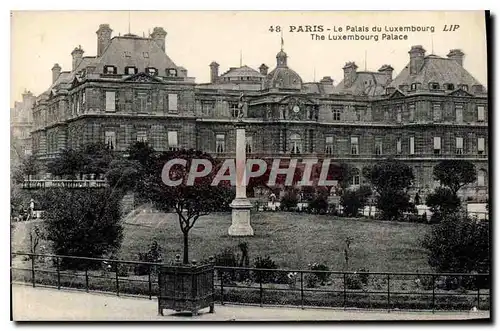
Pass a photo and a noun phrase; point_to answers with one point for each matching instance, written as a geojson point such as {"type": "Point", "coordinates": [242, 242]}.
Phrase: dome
{"type": "Point", "coordinates": [282, 76]}
{"type": "Point", "coordinates": [242, 72]}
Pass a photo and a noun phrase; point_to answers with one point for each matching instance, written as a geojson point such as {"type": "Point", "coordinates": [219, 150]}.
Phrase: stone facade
{"type": "Point", "coordinates": [421, 123]}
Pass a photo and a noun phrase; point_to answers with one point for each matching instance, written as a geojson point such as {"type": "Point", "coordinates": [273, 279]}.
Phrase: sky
{"type": "Point", "coordinates": [195, 39]}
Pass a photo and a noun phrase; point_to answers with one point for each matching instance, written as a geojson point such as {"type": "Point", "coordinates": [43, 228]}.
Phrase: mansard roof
{"type": "Point", "coordinates": [367, 83]}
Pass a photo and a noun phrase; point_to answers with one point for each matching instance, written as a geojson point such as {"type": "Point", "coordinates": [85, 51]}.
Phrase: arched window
{"type": "Point", "coordinates": [295, 143]}
{"type": "Point", "coordinates": [481, 177]}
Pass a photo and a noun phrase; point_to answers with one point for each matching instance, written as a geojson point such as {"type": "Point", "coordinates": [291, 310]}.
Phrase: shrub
{"type": "Point", "coordinates": [311, 280]}
{"type": "Point", "coordinates": [321, 276]}
{"type": "Point", "coordinates": [319, 205]}
{"type": "Point", "coordinates": [442, 202]}
{"type": "Point", "coordinates": [226, 258]}
{"type": "Point", "coordinates": [153, 255]}
{"type": "Point", "coordinates": [265, 276]}
{"type": "Point", "coordinates": [353, 282]}
{"type": "Point", "coordinates": [364, 276]}
{"type": "Point", "coordinates": [289, 201]}
{"type": "Point", "coordinates": [354, 200]}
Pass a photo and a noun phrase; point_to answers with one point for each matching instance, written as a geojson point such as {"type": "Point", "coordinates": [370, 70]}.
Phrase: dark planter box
{"type": "Point", "coordinates": [186, 288]}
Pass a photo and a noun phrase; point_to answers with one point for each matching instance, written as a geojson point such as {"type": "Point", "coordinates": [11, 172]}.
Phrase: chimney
{"type": "Point", "coordinates": [417, 54]}
{"type": "Point", "coordinates": [327, 80]}
{"type": "Point", "coordinates": [183, 71]}
{"type": "Point", "coordinates": [457, 55]}
{"type": "Point", "coordinates": [214, 72]}
{"type": "Point", "coordinates": [77, 55]}
{"type": "Point", "coordinates": [263, 69]}
{"type": "Point", "coordinates": [349, 74]}
{"type": "Point", "coordinates": [387, 70]}
{"type": "Point", "coordinates": [103, 38]}
{"type": "Point", "coordinates": [158, 36]}
{"type": "Point", "coordinates": [56, 71]}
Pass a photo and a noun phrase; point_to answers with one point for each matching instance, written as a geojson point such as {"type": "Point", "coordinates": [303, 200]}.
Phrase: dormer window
{"type": "Point", "coordinates": [413, 86]}
{"type": "Point", "coordinates": [433, 86]}
{"type": "Point", "coordinates": [110, 70]}
{"type": "Point", "coordinates": [130, 70]}
{"type": "Point", "coordinates": [171, 72]}
{"type": "Point", "coordinates": [449, 87]}
{"type": "Point", "coordinates": [464, 87]}
{"type": "Point", "coordinates": [146, 55]}
{"type": "Point", "coordinates": [152, 71]}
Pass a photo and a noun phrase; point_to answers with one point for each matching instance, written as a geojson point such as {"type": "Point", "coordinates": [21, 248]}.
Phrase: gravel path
{"type": "Point", "coordinates": [44, 304]}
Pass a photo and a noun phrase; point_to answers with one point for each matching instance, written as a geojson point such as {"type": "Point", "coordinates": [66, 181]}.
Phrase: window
{"type": "Point", "coordinates": [142, 136]}
{"type": "Point", "coordinates": [127, 53]}
{"type": "Point", "coordinates": [411, 110]}
{"type": "Point", "coordinates": [143, 102]}
{"type": "Point", "coordinates": [437, 145]}
{"type": "Point", "coordinates": [171, 72]}
{"type": "Point", "coordinates": [110, 139]}
{"type": "Point", "coordinates": [357, 114]}
{"type": "Point", "coordinates": [480, 113]}
{"type": "Point", "coordinates": [296, 144]}
{"type": "Point", "coordinates": [207, 107]}
{"type": "Point", "coordinates": [413, 86]}
{"type": "Point", "coordinates": [355, 177]}
{"type": "Point", "coordinates": [248, 144]}
{"type": "Point", "coordinates": [173, 143]}
{"type": "Point", "coordinates": [398, 114]}
{"type": "Point", "coordinates": [130, 70]}
{"type": "Point", "coordinates": [329, 145]}
{"type": "Point", "coordinates": [459, 142]}
{"type": "Point", "coordinates": [378, 146]}
{"type": "Point", "coordinates": [152, 71]}
{"type": "Point", "coordinates": [172, 102]}
{"type": "Point", "coordinates": [110, 70]}
{"type": "Point", "coordinates": [480, 146]}
{"type": "Point", "coordinates": [233, 108]}
{"type": "Point", "coordinates": [336, 114]}
{"type": "Point", "coordinates": [110, 101]}
{"type": "Point", "coordinates": [84, 98]}
{"type": "Point", "coordinates": [220, 143]}
{"type": "Point", "coordinates": [354, 145]}
{"type": "Point", "coordinates": [398, 146]}
{"type": "Point", "coordinates": [464, 87]}
{"type": "Point", "coordinates": [481, 177]}
{"type": "Point", "coordinates": [459, 113]}
{"type": "Point", "coordinates": [145, 54]}
{"type": "Point", "coordinates": [433, 86]}
{"type": "Point", "coordinates": [412, 145]}
{"type": "Point", "coordinates": [449, 87]}
{"type": "Point", "coordinates": [437, 113]}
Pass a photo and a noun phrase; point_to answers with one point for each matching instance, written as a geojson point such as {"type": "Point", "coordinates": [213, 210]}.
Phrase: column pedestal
{"type": "Point", "coordinates": [240, 218]}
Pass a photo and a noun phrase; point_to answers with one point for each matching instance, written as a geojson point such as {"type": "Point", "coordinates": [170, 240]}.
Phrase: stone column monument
{"type": "Point", "coordinates": [241, 205]}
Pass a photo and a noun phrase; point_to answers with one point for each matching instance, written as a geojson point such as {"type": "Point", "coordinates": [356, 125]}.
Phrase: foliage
{"type": "Point", "coordinates": [29, 167]}
{"type": "Point", "coordinates": [353, 282]}
{"type": "Point", "coordinates": [354, 200]}
{"type": "Point", "coordinates": [189, 201]}
{"type": "Point", "coordinates": [82, 223]}
{"type": "Point", "coordinates": [227, 258]}
{"type": "Point", "coordinates": [124, 174]}
{"type": "Point", "coordinates": [391, 179]}
{"type": "Point", "coordinates": [153, 255]}
{"type": "Point", "coordinates": [455, 174]}
{"type": "Point", "coordinates": [265, 263]}
{"type": "Point", "coordinates": [289, 201]}
{"type": "Point", "coordinates": [319, 204]}
{"type": "Point", "coordinates": [311, 280]}
{"type": "Point", "coordinates": [69, 162]}
{"type": "Point", "coordinates": [322, 276]}
{"type": "Point", "coordinates": [458, 244]}
{"type": "Point", "coordinates": [96, 158]}
{"type": "Point", "coordinates": [442, 202]}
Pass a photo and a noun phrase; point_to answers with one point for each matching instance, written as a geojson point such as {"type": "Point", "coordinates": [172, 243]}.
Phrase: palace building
{"type": "Point", "coordinates": [132, 90]}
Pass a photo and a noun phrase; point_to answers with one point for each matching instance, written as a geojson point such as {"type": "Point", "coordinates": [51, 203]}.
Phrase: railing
{"type": "Point", "coordinates": [237, 285]}
{"type": "Point", "coordinates": [45, 183]}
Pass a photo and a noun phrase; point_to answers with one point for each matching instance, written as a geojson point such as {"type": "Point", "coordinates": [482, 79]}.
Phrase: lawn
{"type": "Point", "coordinates": [293, 240]}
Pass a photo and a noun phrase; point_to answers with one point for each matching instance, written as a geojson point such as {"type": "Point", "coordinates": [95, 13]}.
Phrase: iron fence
{"type": "Point", "coordinates": [279, 287]}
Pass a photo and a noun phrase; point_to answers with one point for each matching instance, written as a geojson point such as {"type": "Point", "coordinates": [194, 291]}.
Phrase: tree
{"type": "Point", "coordinates": [354, 200]}
{"type": "Point", "coordinates": [84, 222]}
{"type": "Point", "coordinates": [69, 163]}
{"type": "Point", "coordinates": [458, 244]}
{"type": "Point", "coordinates": [391, 180]}
{"type": "Point", "coordinates": [29, 166]}
{"type": "Point", "coordinates": [442, 202]}
{"type": "Point", "coordinates": [190, 202]}
{"type": "Point", "coordinates": [96, 158]}
{"type": "Point", "coordinates": [455, 174]}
